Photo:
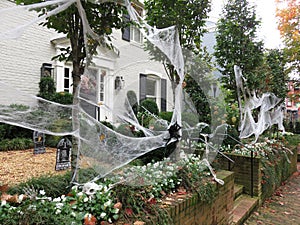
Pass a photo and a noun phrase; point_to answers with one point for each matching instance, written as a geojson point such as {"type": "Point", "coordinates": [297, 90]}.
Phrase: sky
{"type": "Point", "coordinates": [266, 11]}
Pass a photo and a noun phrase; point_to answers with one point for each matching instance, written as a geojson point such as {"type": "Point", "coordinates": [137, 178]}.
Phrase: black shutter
{"type": "Point", "coordinates": [126, 30]}
{"type": "Point", "coordinates": [143, 82]}
{"type": "Point", "coordinates": [163, 102]}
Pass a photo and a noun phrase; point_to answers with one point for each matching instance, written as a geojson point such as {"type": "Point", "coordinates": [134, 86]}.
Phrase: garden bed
{"type": "Point", "coordinates": [271, 167]}
{"type": "Point", "coordinates": [21, 165]}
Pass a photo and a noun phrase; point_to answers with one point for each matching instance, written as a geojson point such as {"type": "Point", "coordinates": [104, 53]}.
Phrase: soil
{"type": "Point", "coordinates": [21, 165]}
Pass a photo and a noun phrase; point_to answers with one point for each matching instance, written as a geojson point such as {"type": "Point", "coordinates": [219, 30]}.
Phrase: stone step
{"type": "Point", "coordinates": [244, 205]}
{"type": "Point", "coordinates": [238, 190]}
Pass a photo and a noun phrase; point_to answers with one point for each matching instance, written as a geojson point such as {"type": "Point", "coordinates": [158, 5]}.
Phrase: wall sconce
{"type": "Point", "coordinates": [47, 70]}
{"type": "Point", "coordinates": [119, 83]}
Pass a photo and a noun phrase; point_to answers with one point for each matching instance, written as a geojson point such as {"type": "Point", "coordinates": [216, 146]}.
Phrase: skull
{"type": "Point", "coordinates": [91, 188]}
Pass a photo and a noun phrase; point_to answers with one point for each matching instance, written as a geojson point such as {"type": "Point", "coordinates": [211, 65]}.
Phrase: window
{"type": "Point", "coordinates": [132, 33]}
{"type": "Point", "coordinates": [153, 87]}
{"type": "Point", "coordinates": [136, 35]}
{"type": "Point", "coordinates": [101, 85]}
{"type": "Point", "coordinates": [67, 79]}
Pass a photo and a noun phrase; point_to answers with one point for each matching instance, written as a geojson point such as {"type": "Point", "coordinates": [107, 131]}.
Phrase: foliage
{"type": "Point", "coordinates": [236, 45]}
{"type": "Point", "coordinates": [53, 185]}
{"type": "Point", "coordinates": [199, 99]}
{"type": "Point", "coordinates": [63, 98]}
{"type": "Point", "coordinates": [15, 144]}
{"type": "Point", "coordinates": [102, 17]}
{"type": "Point", "coordinates": [47, 88]}
{"type": "Point", "coordinates": [275, 80]}
{"type": "Point", "coordinates": [275, 159]}
{"type": "Point", "coordinates": [149, 105]}
{"type": "Point", "coordinates": [10, 131]}
{"type": "Point", "coordinates": [189, 17]}
{"type": "Point", "coordinates": [48, 92]}
{"type": "Point", "coordinates": [110, 199]}
{"type": "Point", "coordinates": [288, 13]}
{"type": "Point", "coordinates": [166, 116]}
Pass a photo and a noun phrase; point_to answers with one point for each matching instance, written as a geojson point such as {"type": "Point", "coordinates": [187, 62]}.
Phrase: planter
{"type": "Point", "coordinates": [267, 174]}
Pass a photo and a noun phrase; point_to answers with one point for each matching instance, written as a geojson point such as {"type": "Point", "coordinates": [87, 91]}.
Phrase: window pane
{"type": "Point", "coordinates": [67, 73]}
{"type": "Point", "coordinates": [66, 83]}
{"type": "Point", "coordinates": [151, 87]}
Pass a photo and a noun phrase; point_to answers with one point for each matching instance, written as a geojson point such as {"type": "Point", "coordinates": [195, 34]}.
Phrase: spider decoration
{"type": "Point", "coordinates": [173, 131]}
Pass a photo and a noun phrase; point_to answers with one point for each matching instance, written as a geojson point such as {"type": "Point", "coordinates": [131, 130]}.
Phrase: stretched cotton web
{"type": "Point", "coordinates": [106, 128]}
{"type": "Point", "coordinates": [270, 110]}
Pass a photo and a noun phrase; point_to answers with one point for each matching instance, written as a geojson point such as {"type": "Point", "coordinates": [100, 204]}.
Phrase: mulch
{"type": "Point", "coordinates": [21, 165]}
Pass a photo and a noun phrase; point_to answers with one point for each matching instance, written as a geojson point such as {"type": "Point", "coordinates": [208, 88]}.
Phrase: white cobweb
{"type": "Point", "coordinates": [99, 147]}
{"type": "Point", "coordinates": [270, 110]}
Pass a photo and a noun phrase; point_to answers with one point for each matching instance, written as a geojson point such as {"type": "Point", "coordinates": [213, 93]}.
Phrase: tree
{"type": "Point", "coordinates": [189, 18]}
{"type": "Point", "coordinates": [102, 18]}
{"type": "Point", "coordinates": [288, 13]}
{"type": "Point", "coordinates": [276, 78]}
{"type": "Point", "coordinates": [236, 44]}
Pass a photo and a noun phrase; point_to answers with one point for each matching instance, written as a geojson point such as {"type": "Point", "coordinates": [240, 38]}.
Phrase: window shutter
{"type": "Point", "coordinates": [126, 30]}
{"type": "Point", "coordinates": [143, 81]}
{"type": "Point", "coordinates": [163, 90]}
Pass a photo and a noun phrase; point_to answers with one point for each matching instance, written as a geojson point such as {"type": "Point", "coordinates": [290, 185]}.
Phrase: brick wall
{"type": "Point", "coordinates": [190, 210]}
{"type": "Point", "coordinates": [242, 172]}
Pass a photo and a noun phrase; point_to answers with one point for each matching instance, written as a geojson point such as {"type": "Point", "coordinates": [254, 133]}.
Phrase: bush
{"type": "Point", "coordinates": [166, 116]}
{"type": "Point", "coordinates": [62, 98]}
{"type": "Point", "coordinates": [16, 144]}
{"type": "Point", "coordinates": [47, 88]}
{"type": "Point", "coordinates": [10, 131]}
{"type": "Point", "coordinates": [150, 105]}
{"type": "Point", "coordinates": [54, 186]}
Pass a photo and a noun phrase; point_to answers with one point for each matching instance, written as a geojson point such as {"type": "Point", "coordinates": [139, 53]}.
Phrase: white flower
{"type": "Point", "coordinates": [73, 214]}
{"type": "Point", "coordinates": [79, 194]}
{"type": "Point", "coordinates": [108, 203]}
{"type": "Point", "coordinates": [58, 211]}
{"type": "Point", "coordinates": [42, 192]}
{"type": "Point", "coordinates": [86, 199]}
{"type": "Point", "coordinates": [3, 202]}
{"type": "Point", "coordinates": [57, 199]}
{"type": "Point", "coordinates": [109, 220]}
{"type": "Point", "coordinates": [59, 205]}
{"type": "Point", "coordinates": [102, 215]}
{"type": "Point", "coordinates": [20, 198]}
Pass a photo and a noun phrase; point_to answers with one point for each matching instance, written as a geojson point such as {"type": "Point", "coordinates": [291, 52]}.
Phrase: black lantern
{"type": "Point", "coordinates": [119, 83]}
{"type": "Point", "coordinates": [47, 70]}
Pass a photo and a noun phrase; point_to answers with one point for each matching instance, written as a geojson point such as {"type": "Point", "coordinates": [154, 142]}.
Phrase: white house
{"type": "Point", "coordinates": [25, 59]}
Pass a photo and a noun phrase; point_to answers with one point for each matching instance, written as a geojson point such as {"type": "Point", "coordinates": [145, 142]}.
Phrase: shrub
{"type": "Point", "coordinates": [62, 98]}
{"type": "Point", "coordinates": [150, 105]}
{"type": "Point", "coordinates": [53, 185]}
{"type": "Point", "coordinates": [166, 116]}
{"type": "Point", "coordinates": [47, 88]}
{"type": "Point", "coordinates": [16, 144]}
{"type": "Point", "coordinates": [10, 131]}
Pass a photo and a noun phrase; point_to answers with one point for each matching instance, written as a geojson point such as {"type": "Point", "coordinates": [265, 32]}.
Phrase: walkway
{"type": "Point", "coordinates": [283, 207]}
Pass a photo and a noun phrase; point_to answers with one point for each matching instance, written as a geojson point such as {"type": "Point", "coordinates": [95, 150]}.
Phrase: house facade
{"type": "Point", "coordinates": [26, 59]}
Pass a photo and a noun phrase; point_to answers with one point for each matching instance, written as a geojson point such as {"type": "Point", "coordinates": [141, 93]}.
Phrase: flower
{"type": "Point", "coordinates": [103, 214]}
{"type": "Point", "coordinates": [42, 192]}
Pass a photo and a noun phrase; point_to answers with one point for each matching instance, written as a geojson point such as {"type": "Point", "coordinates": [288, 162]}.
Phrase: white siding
{"type": "Point", "coordinates": [22, 58]}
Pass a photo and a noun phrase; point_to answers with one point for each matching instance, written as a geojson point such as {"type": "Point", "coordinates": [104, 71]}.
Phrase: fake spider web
{"type": "Point", "coordinates": [100, 147]}
{"type": "Point", "coordinates": [271, 110]}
